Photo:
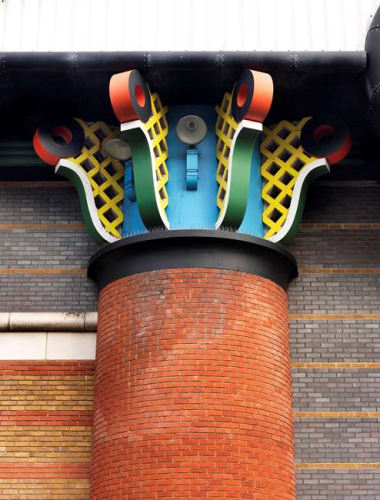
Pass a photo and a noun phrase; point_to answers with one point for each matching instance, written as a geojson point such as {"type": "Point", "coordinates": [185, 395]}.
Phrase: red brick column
{"type": "Point", "coordinates": [193, 388]}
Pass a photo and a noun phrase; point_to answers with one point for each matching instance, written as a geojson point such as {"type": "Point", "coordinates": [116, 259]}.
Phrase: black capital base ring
{"type": "Point", "coordinates": [192, 249]}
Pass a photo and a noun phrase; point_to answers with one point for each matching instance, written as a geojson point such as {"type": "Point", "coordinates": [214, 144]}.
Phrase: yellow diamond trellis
{"type": "Point", "coordinates": [225, 130]}
{"type": "Point", "coordinates": [105, 174]}
{"type": "Point", "coordinates": [282, 159]}
{"type": "Point", "coordinates": [157, 128]}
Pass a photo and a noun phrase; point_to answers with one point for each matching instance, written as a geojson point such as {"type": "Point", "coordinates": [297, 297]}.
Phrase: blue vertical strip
{"type": "Point", "coordinates": [192, 169]}
{"type": "Point", "coordinates": [190, 209]}
{"type": "Point", "coordinates": [132, 222]}
{"type": "Point", "coordinates": [253, 219]}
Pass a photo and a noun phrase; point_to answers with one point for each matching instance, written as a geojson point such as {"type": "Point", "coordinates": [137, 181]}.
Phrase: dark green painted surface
{"type": "Point", "coordinates": [313, 175]}
{"type": "Point", "coordinates": [143, 177]}
{"type": "Point", "coordinates": [241, 170]}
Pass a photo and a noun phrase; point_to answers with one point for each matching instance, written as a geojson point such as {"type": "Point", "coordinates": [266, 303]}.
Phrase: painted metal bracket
{"type": "Point", "coordinates": [192, 169]}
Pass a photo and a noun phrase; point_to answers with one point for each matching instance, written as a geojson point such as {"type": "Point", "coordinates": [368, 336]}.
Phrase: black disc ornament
{"type": "Point", "coordinates": [54, 140]}
{"type": "Point", "coordinates": [326, 136]}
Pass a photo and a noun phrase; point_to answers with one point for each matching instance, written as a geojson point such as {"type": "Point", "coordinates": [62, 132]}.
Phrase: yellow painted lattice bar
{"type": "Point", "coordinates": [282, 158]}
{"type": "Point", "coordinates": [105, 174]}
{"type": "Point", "coordinates": [157, 128]}
{"type": "Point", "coordinates": [225, 129]}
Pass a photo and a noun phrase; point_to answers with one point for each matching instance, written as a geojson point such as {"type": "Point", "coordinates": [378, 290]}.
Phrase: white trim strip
{"type": "Point", "coordinates": [37, 346]}
{"type": "Point", "coordinates": [48, 322]}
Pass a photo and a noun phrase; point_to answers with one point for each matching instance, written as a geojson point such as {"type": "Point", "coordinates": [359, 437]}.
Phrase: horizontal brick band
{"type": "Point", "coordinates": [319, 226]}
{"type": "Point", "coordinates": [40, 443]}
{"type": "Point", "coordinates": [48, 394]}
{"type": "Point", "coordinates": [40, 271]}
{"type": "Point", "coordinates": [51, 418]}
{"type": "Point", "coordinates": [338, 466]}
{"type": "Point", "coordinates": [336, 366]}
{"type": "Point", "coordinates": [44, 470]}
{"type": "Point", "coordinates": [336, 414]}
{"type": "Point", "coordinates": [339, 270]}
{"type": "Point", "coordinates": [334, 317]}
{"type": "Point", "coordinates": [45, 489]}
{"type": "Point", "coordinates": [42, 368]}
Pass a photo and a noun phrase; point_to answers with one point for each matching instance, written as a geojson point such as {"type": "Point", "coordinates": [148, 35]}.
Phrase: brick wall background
{"type": "Point", "coordinates": [334, 305]}
{"type": "Point", "coordinates": [45, 429]}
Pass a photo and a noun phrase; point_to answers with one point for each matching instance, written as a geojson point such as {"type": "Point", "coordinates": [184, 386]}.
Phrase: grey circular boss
{"type": "Point", "coordinates": [191, 129]}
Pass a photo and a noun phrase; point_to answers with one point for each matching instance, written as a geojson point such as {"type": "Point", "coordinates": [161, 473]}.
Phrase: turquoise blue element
{"type": "Point", "coordinates": [253, 219]}
{"type": "Point", "coordinates": [192, 169]}
{"type": "Point", "coordinates": [195, 208]}
{"type": "Point", "coordinates": [132, 222]}
{"type": "Point", "coordinates": [129, 183]}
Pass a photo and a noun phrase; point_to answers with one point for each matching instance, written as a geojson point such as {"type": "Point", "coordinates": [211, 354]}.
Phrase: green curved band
{"type": "Point", "coordinates": [143, 178]}
{"type": "Point", "coordinates": [240, 178]}
{"type": "Point", "coordinates": [316, 172]}
{"type": "Point", "coordinates": [88, 220]}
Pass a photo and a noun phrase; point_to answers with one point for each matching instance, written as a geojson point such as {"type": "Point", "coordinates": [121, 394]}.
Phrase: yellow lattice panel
{"type": "Point", "coordinates": [105, 174]}
{"type": "Point", "coordinates": [282, 158]}
{"type": "Point", "coordinates": [157, 128]}
{"type": "Point", "coordinates": [225, 130]}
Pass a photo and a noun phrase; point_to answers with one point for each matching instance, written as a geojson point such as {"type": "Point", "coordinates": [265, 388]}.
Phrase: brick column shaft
{"type": "Point", "coordinates": [193, 388]}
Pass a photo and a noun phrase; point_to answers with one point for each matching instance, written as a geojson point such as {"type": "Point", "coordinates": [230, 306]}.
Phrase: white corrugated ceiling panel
{"type": "Point", "coordinates": [112, 25]}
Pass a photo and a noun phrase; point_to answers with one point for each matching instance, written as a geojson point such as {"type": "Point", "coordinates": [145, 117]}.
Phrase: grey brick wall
{"type": "Point", "coordinates": [336, 390]}
{"type": "Point", "coordinates": [346, 440]}
{"type": "Point", "coordinates": [337, 248]}
{"type": "Point", "coordinates": [338, 485]}
{"type": "Point", "coordinates": [47, 293]}
{"type": "Point", "coordinates": [54, 248]}
{"type": "Point", "coordinates": [39, 205]}
{"type": "Point", "coordinates": [49, 252]}
{"type": "Point", "coordinates": [333, 201]}
{"type": "Point", "coordinates": [335, 294]}
{"type": "Point", "coordinates": [335, 341]}
{"type": "Point", "coordinates": [337, 441]}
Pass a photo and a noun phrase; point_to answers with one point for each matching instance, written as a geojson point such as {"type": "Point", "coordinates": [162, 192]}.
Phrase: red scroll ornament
{"type": "Point", "coordinates": [252, 96]}
{"type": "Point", "coordinates": [62, 139]}
{"type": "Point", "coordinates": [326, 136]}
{"type": "Point", "coordinates": [130, 97]}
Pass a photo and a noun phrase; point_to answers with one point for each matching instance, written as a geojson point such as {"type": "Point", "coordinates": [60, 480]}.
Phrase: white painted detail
{"type": "Point", "coordinates": [89, 198]}
{"type": "Point", "coordinates": [62, 346]}
{"type": "Point", "coordinates": [4, 322]}
{"type": "Point", "coordinates": [48, 321]}
{"type": "Point", "coordinates": [148, 25]}
{"type": "Point", "coordinates": [296, 197]}
{"type": "Point", "coordinates": [22, 346]}
{"type": "Point", "coordinates": [138, 124]}
{"type": "Point", "coordinates": [243, 124]}
{"type": "Point", "coordinates": [34, 346]}
{"type": "Point", "coordinates": [90, 321]}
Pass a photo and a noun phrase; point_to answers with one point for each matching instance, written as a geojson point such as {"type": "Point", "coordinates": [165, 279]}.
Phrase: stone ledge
{"type": "Point", "coordinates": [48, 322]}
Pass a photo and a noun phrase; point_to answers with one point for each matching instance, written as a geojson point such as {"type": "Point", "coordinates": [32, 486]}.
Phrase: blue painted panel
{"type": "Point", "coordinates": [197, 208]}
{"type": "Point", "coordinates": [132, 222]}
{"type": "Point", "coordinates": [253, 219]}
{"type": "Point", "coordinates": [192, 169]}
{"type": "Point", "coordinates": [129, 183]}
